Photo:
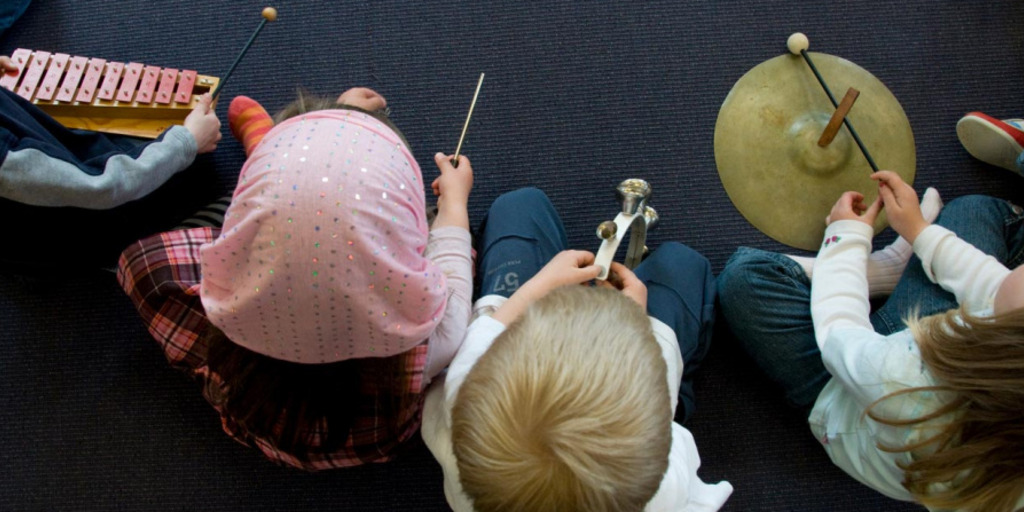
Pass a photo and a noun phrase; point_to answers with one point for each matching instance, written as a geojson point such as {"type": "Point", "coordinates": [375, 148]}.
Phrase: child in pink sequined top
{"type": "Point", "coordinates": [320, 311]}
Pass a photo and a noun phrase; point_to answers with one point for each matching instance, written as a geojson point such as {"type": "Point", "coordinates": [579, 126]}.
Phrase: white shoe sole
{"type": "Point", "coordinates": [988, 143]}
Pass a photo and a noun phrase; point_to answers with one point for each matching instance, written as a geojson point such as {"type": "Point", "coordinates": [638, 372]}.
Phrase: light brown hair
{"type": "Point", "coordinates": [975, 461]}
{"type": "Point", "coordinates": [568, 410]}
{"type": "Point", "coordinates": [306, 102]}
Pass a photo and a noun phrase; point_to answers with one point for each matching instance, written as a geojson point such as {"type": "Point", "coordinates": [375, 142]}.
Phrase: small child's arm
{"type": "Point", "coordinates": [839, 285]}
{"type": "Point", "coordinates": [203, 124]}
{"type": "Point", "coordinates": [40, 168]}
{"type": "Point", "coordinates": [567, 267]}
{"type": "Point", "coordinates": [452, 189]}
{"type": "Point", "coordinates": [449, 247]}
{"type": "Point", "coordinates": [1010, 295]}
{"type": "Point", "coordinates": [944, 256]}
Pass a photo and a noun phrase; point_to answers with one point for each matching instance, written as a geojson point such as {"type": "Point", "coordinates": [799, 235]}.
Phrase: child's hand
{"type": "Point", "coordinates": [202, 122]}
{"type": "Point", "coordinates": [850, 206]}
{"type": "Point", "coordinates": [7, 66]}
{"type": "Point", "coordinates": [1010, 295]}
{"type": "Point", "coordinates": [364, 98]}
{"type": "Point", "coordinates": [454, 183]}
{"type": "Point", "coordinates": [900, 205]}
{"type": "Point", "coordinates": [452, 189]}
{"type": "Point", "coordinates": [624, 280]}
{"type": "Point", "coordinates": [566, 268]}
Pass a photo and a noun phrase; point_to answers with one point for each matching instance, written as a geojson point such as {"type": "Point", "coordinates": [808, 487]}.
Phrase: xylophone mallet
{"type": "Point", "coordinates": [269, 14]}
{"type": "Point", "coordinates": [472, 104]}
{"type": "Point", "coordinates": [797, 45]}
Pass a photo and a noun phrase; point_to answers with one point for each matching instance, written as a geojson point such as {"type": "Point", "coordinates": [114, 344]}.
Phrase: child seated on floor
{"type": "Point", "coordinates": [562, 396]}
{"type": "Point", "coordinates": [315, 318]}
{"type": "Point", "coordinates": [922, 398]}
{"type": "Point", "coordinates": [44, 164]}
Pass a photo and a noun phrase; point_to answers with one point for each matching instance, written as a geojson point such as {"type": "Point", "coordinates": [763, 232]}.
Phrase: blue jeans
{"type": "Point", "coordinates": [522, 232]}
{"type": "Point", "coordinates": [765, 297]}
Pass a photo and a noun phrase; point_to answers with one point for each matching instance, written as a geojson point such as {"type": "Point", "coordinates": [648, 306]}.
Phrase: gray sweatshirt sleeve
{"type": "Point", "coordinates": [32, 177]}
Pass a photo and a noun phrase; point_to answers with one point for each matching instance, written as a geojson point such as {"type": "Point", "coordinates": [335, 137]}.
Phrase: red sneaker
{"type": "Point", "coordinates": [992, 141]}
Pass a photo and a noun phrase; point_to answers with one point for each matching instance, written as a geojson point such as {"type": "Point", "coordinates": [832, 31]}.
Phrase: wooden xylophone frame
{"type": "Point", "coordinates": [94, 94]}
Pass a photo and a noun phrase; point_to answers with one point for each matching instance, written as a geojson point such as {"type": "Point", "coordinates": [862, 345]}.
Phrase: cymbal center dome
{"type": "Point", "coordinates": [807, 155]}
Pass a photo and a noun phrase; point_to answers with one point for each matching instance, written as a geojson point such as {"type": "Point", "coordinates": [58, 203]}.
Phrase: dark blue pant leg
{"type": "Point", "coordinates": [681, 294]}
{"type": "Point", "coordinates": [765, 297]}
{"type": "Point", "coordinates": [994, 226]}
{"type": "Point", "coordinates": [521, 233]}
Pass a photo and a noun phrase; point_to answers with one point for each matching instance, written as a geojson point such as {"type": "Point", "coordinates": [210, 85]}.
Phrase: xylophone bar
{"type": "Point", "coordinates": [94, 94]}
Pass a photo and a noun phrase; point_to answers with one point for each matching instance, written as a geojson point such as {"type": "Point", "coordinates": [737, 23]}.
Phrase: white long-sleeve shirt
{"type": "Point", "coordinates": [681, 489]}
{"type": "Point", "coordinates": [867, 366]}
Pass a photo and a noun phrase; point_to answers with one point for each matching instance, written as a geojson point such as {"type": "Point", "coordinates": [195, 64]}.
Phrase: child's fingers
{"type": "Point", "coordinates": [444, 163]}
{"type": "Point", "coordinates": [630, 285]}
{"type": "Point", "coordinates": [588, 272]}
{"type": "Point", "coordinates": [8, 66]}
{"type": "Point", "coordinates": [582, 258]}
{"type": "Point", "coordinates": [873, 210]}
{"type": "Point", "coordinates": [888, 177]}
{"type": "Point", "coordinates": [461, 163]}
{"type": "Point", "coordinates": [623, 274]}
{"type": "Point", "coordinates": [901, 191]}
{"type": "Point", "coordinates": [846, 202]}
{"type": "Point", "coordinates": [888, 196]}
{"type": "Point", "coordinates": [204, 103]}
{"type": "Point", "coordinates": [859, 208]}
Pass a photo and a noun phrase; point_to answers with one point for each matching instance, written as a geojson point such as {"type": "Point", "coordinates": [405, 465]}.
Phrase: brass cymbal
{"type": "Point", "coordinates": [767, 153]}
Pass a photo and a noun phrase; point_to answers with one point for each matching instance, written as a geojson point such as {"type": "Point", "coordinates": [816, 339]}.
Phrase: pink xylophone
{"type": "Point", "coordinates": [114, 97]}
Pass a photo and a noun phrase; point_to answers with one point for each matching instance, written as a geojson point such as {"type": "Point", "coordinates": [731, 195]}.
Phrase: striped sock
{"type": "Point", "coordinates": [211, 216]}
{"type": "Point", "coordinates": [249, 122]}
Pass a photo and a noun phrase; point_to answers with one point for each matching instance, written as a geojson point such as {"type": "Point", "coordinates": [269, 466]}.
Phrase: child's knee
{"type": "Point", "coordinates": [524, 199]}
{"type": "Point", "coordinates": [745, 266]}
{"type": "Point", "coordinates": [675, 254]}
{"type": "Point", "coordinates": [970, 206]}
{"type": "Point", "coordinates": [676, 262]}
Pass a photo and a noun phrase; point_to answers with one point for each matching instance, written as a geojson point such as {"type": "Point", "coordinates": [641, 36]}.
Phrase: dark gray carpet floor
{"type": "Point", "coordinates": [578, 96]}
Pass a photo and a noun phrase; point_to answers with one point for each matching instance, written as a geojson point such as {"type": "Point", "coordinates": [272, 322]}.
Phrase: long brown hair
{"type": "Point", "coordinates": [976, 460]}
{"type": "Point", "coordinates": [298, 406]}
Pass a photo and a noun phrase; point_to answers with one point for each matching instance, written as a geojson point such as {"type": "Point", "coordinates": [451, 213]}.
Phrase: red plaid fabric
{"type": "Point", "coordinates": [161, 275]}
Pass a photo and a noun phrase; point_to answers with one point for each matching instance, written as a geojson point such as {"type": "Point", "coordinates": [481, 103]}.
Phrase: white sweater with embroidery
{"type": "Point", "coordinates": [865, 365]}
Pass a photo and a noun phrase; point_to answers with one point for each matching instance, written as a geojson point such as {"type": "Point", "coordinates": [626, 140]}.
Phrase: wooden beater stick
{"type": "Point", "coordinates": [269, 14]}
{"type": "Point", "coordinates": [455, 159]}
{"type": "Point", "coordinates": [798, 45]}
{"type": "Point", "coordinates": [832, 128]}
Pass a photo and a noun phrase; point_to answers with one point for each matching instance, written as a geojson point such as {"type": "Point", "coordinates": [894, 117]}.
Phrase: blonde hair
{"type": "Point", "coordinates": [568, 410]}
{"type": "Point", "coordinates": [974, 461]}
